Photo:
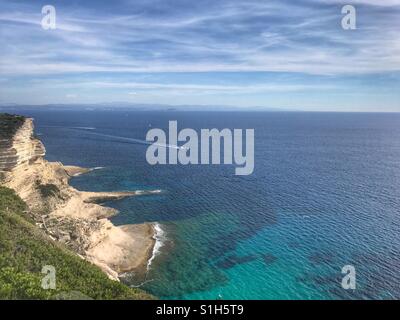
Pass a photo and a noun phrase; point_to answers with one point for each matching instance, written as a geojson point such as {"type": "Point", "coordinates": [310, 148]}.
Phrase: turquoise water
{"type": "Point", "coordinates": [324, 194]}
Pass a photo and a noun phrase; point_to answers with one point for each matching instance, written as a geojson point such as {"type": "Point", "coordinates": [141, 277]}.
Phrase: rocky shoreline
{"type": "Point", "coordinates": [67, 215]}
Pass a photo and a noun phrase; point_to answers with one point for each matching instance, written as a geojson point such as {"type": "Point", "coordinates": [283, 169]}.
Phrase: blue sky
{"type": "Point", "coordinates": [281, 54]}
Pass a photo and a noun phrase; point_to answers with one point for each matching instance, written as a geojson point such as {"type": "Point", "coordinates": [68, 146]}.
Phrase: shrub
{"type": "Point", "coordinates": [9, 124]}
{"type": "Point", "coordinates": [25, 249]}
{"type": "Point", "coordinates": [47, 190]}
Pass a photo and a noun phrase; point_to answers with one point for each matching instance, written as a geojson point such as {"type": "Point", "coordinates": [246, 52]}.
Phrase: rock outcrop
{"type": "Point", "coordinates": [17, 145]}
{"type": "Point", "coordinates": [64, 213]}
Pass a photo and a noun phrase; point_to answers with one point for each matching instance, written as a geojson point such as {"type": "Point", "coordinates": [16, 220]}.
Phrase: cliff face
{"type": "Point", "coordinates": [64, 213]}
{"type": "Point", "coordinates": [24, 251]}
{"type": "Point", "coordinates": [21, 149]}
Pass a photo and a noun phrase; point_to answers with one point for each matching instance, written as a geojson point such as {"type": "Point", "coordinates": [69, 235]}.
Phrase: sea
{"type": "Point", "coordinates": [324, 194]}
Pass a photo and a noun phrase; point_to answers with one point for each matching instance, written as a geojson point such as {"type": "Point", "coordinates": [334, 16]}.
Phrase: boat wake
{"type": "Point", "coordinates": [134, 140]}
{"type": "Point", "coordinates": [89, 130]}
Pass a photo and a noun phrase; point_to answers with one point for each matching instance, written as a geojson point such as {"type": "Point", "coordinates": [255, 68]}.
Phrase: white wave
{"type": "Point", "coordinates": [90, 170]}
{"type": "Point", "coordinates": [84, 128]}
{"type": "Point", "coordinates": [96, 168]}
{"type": "Point", "coordinates": [159, 237]}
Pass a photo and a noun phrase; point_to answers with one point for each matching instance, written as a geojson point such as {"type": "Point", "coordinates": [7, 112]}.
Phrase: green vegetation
{"type": "Point", "coordinates": [9, 124]}
{"type": "Point", "coordinates": [47, 190]}
{"type": "Point", "coordinates": [25, 249]}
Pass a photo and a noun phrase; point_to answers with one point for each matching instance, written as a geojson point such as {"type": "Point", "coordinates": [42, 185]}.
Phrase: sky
{"type": "Point", "coordinates": [245, 53]}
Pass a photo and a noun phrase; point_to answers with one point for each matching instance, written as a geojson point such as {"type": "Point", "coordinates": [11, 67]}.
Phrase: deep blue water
{"type": "Point", "coordinates": [325, 193]}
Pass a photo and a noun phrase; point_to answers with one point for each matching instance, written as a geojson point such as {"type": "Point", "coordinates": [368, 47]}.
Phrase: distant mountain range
{"type": "Point", "coordinates": [138, 107]}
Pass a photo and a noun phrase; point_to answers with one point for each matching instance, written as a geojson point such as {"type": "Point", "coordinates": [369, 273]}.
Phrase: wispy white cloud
{"type": "Point", "coordinates": [184, 88]}
{"type": "Point", "coordinates": [131, 37]}
{"type": "Point", "coordinates": [301, 42]}
{"type": "Point", "coordinates": [382, 3]}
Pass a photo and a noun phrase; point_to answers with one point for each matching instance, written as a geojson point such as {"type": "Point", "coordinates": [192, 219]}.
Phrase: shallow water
{"type": "Point", "coordinates": [324, 194]}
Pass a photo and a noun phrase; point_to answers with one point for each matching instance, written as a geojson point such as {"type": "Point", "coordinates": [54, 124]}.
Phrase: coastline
{"type": "Point", "coordinates": [158, 237]}
{"type": "Point", "coordinates": [134, 244]}
{"type": "Point", "coordinates": [126, 248]}
{"type": "Point", "coordinates": [72, 217]}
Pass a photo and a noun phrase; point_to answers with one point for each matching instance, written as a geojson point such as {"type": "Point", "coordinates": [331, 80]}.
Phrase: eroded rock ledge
{"type": "Point", "coordinates": [64, 213]}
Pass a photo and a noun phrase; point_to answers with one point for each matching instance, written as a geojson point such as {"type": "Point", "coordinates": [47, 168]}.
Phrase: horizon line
{"type": "Point", "coordinates": [180, 107]}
